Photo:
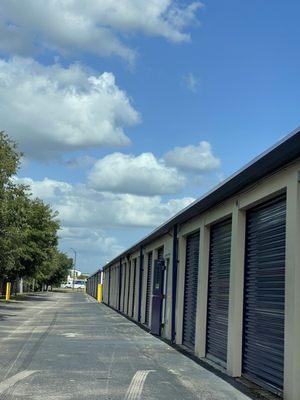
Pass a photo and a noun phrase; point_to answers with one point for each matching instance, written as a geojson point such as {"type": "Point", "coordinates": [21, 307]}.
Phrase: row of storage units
{"type": "Point", "coordinates": [222, 278]}
{"type": "Point", "coordinates": [92, 283]}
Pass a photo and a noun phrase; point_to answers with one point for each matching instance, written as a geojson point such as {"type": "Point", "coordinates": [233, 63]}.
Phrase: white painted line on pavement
{"type": "Point", "coordinates": [7, 383]}
{"type": "Point", "coordinates": [71, 334]}
{"type": "Point", "coordinates": [136, 386]}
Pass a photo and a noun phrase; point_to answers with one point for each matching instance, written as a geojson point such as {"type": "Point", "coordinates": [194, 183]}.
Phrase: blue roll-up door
{"type": "Point", "coordinates": [148, 289]}
{"type": "Point", "coordinates": [124, 286]}
{"type": "Point", "coordinates": [128, 286]}
{"type": "Point", "coordinates": [218, 291]}
{"type": "Point", "coordinates": [133, 287]}
{"type": "Point", "coordinates": [160, 253]}
{"type": "Point", "coordinates": [264, 294]}
{"type": "Point", "coordinates": [120, 286]}
{"type": "Point", "coordinates": [190, 290]}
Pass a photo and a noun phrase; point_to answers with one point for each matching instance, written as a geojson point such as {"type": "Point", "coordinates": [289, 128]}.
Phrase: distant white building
{"type": "Point", "coordinates": [77, 276]}
{"type": "Point", "coordinates": [73, 273]}
{"type": "Point", "coordinates": [76, 279]}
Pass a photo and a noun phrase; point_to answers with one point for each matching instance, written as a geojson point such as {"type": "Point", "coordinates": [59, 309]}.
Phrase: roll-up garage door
{"type": "Point", "coordinates": [124, 286]}
{"type": "Point", "coordinates": [133, 287]}
{"type": "Point", "coordinates": [160, 253]}
{"type": "Point", "coordinates": [190, 290]}
{"type": "Point", "coordinates": [128, 287]}
{"type": "Point", "coordinates": [148, 290]}
{"type": "Point", "coordinates": [120, 286]}
{"type": "Point", "coordinates": [218, 291]}
{"type": "Point", "coordinates": [264, 296]}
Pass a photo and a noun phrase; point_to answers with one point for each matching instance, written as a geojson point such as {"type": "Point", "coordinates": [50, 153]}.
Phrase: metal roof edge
{"type": "Point", "coordinates": [258, 167]}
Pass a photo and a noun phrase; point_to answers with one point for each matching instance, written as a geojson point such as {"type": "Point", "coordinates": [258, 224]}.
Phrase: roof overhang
{"type": "Point", "coordinates": [282, 153]}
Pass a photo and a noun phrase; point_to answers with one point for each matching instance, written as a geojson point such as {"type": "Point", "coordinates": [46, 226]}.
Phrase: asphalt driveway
{"type": "Point", "coordinates": [66, 346]}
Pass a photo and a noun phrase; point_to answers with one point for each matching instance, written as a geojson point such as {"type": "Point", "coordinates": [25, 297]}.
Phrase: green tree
{"type": "Point", "coordinates": [10, 196]}
{"type": "Point", "coordinates": [39, 237]}
{"type": "Point", "coordinates": [9, 159]}
{"type": "Point", "coordinates": [55, 270]}
{"type": "Point", "coordinates": [14, 208]}
{"type": "Point", "coordinates": [28, 227]}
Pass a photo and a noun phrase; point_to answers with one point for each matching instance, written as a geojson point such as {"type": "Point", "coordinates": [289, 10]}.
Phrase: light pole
{"type": "Point", "coordinates": [74, 265]}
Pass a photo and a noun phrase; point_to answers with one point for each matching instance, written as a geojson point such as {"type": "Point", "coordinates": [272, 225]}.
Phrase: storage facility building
{"type": "Point", "coordinates": [222, 277]}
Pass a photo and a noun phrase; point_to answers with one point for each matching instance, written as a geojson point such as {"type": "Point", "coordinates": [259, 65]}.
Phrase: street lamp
{"type": "Point", "coordinates": [74, 265]}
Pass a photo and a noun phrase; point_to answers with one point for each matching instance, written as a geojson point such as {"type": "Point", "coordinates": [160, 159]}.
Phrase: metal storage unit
{"type": "Point", "coordinates": [120, 286]}
{"type": "Point", "coordinates": [218, 291]}
{"type": "Point", "coordinates": [112, 287]}
{"type": "Point", "coordinates": [141, 284]}
{"type": "Point", "coordinates": [148, 289]}
{"type": "Point", "coordinates": [124, 286]}
{"type": "Point", "coordinates": [128, 287]}
{"type": "Point", "coordinates": [133, 287]}
{"type": "Point", "coordinates": [264, 294]}
{"type": "Point", "coordinates": [95, 286]}
{"type": "Point", "coordinates": [190, 290]}
{"type": "Point", "coordinates": [117, 272]}
{"type": "Point", "coordinates": [108, 284]}
{"type": "Point", "coordinates": [160, 253]}
{"type": "Point", "coordinates": [115, 287]}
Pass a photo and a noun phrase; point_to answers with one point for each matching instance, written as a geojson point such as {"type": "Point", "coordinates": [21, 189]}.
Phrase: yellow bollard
{"type": "Point", "coordinates": [7, 295]}
{"type": "Point", "coordinates": [99, 293]}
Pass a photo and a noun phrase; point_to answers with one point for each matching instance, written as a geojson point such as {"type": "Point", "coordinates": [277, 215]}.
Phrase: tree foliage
{"type": "Point", "coordinates": [28, 227]}
{"type": "Point", "coordinates": [55, 269]}
{"type": "Point", "coordinates": [9, 159]}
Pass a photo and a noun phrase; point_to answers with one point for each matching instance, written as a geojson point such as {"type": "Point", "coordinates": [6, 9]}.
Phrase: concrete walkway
{"type": "Point", "coordinates": [66, 346]}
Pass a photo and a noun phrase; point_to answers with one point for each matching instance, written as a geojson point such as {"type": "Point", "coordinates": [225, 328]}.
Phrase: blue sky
{"type": "Point", "coordinates": [128, 113]}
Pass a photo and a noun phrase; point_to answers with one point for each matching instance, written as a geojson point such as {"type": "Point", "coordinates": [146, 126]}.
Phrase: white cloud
{"type": "Point", "coordinates": [98, 26]}
{"type": "Point", "coordinates": [94, 247]}
{"type": "Point", "coordinates": [47, 189]}
{"type": "Point", "coordinates": [80, 206]}
{"type": "Point", "coordinates": [191, 82]}
{"type": "Point", "coordinates": [90, 243]}
{"type": "Point", "coordinates": [144, 211]}
{"type": "Point", "coordinates": [50, 110]}
{"type": "Point", "coordinates": [140, 175]}
{"type": "Point", "coordinates": [87, 216]}
{"type": "Point", "coordinates": [198, 159]}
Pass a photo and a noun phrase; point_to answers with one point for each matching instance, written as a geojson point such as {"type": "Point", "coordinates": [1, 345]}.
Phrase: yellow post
{"type": "Point", "coordinates": [99, 293]}
{"type": "Point", "coordinates": [7, 295]}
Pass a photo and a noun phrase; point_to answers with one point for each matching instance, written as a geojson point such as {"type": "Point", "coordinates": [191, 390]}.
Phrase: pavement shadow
{"type": "Point", "coordinates": [11, 307]}
{"type": "Point", "coordinates": [33, 297]}
{"type": "Point", "coordinates": [3, 317]}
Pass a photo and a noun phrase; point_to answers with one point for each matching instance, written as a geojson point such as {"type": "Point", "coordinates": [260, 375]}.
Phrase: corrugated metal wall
{"type": "Point", "coordinates": [123, 287]}
{"type": "Point", "coordinates": [92, 284]}
{"type": "Point", "coordinates": [134, 264]}
{"type": "Point", "coordinates": [160, 253]}
{"type": "Point", "coordinates": [148, 287]}
{"type": "Point", "coordinates": [129, 286]}
{"type": "Point", "coordinates": [265, 294]}
{"type": "Point", "coordinates": [190, 289]}
{"type": "Point", "coordinates": [218, 291]}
